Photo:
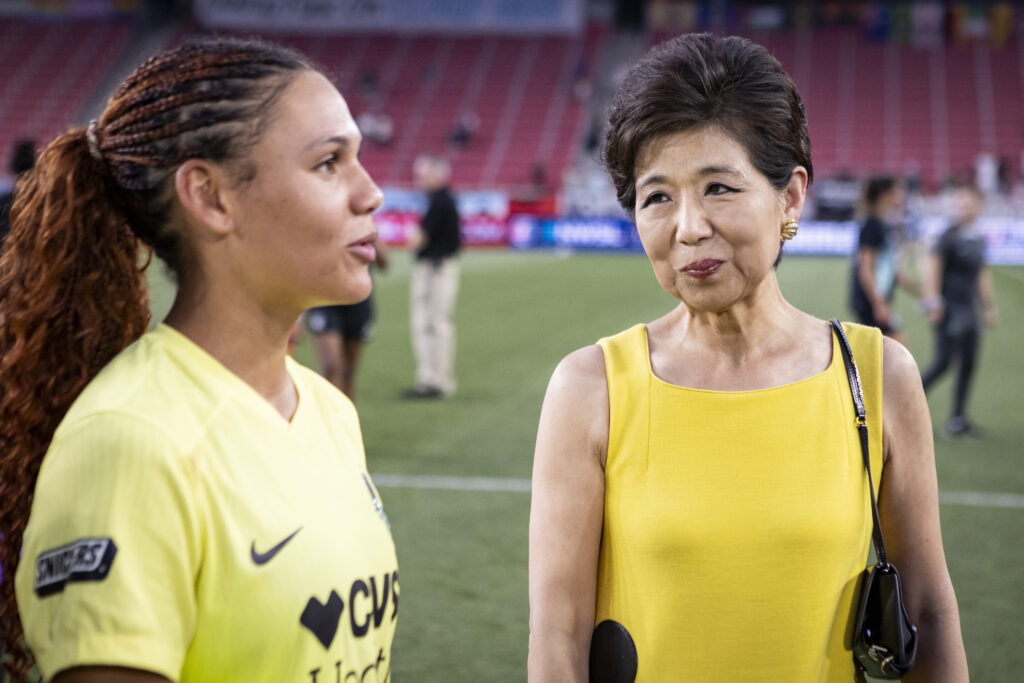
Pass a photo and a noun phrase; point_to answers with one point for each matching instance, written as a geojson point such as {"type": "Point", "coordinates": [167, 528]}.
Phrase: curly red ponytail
{"type": "Point", "coordinates": [72, 296]}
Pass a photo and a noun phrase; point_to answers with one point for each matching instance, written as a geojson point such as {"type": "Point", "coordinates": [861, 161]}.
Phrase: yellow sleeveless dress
{"type": "Point", "coordinates": [736, 523]}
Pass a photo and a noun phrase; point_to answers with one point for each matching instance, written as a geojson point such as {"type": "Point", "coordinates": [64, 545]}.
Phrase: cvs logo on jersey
{"type": "Point", "coordinates": [368, 603]}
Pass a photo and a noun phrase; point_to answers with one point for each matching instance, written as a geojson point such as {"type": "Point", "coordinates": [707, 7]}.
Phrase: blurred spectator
{"type": "Point", "coordinates": [959, 297]}
{"type": "Point", "coordinates": [539, 187]}
{"type": "Point", "coordinates": [376, 126]}
{"type": "Point", "coordinates": [369, 82]}
{"type": "Point", "coordinates": [876, 263]}
{"type": "Point", "coordinates": [582, 85]}
{"type": "Point", "coordinates": [912, 250]}
{"type": "Point", "coordinates": [1003, 174]}
{"type": "Point", "coordinates": [536, 197]}
{"type": "Point", "coordinates": [986, 173]}
{"type": "Point", "coordinates": [23, 158]}
{"type": "Point", "coordinates": [595, 129]}
{"type": "Point", "coordinates": [465, 127]}
{"type": "Point", "coordinates": [435, 282]}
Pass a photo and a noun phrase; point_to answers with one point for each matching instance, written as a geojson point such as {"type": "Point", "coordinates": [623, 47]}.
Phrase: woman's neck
{"type": "Point", "coordinates": [746, 329]}
{"type": "Point", "coordinates": [759, 342]}
{"type": "Point", "coordinates": [249, 341]}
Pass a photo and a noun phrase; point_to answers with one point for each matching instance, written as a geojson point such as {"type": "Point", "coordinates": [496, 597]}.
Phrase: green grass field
{"type": "Point", "coordinates": [463, 554]}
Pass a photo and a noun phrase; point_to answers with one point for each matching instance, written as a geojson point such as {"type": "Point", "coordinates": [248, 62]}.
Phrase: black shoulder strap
{"type": "Point", "coordinates": [862, 431]}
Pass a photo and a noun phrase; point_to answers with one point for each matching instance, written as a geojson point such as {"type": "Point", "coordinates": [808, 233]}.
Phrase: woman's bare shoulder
{"type": "Point", "coordinates": [585, 365]}
{"type": "Point", "coordinates": [906, 425]}
{"type": "Point", "coordinates": [575, 413]}
{"type": "Point", "coordinates": [900, 373]}
{"type": "Point", "coordinates": [579, 383]}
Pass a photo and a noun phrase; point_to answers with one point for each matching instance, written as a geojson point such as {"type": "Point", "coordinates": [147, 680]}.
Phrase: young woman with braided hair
{"type": "Point", "coordinates": [189, 504]}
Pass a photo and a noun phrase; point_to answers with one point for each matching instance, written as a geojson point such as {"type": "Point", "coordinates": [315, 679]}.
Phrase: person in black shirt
{"type": "Point", "coordinates": [23, 158]}
{"type": "Point", "coordinates": [959, 282]}
{"type": "Point", "coordinates": [876, 266]}
{"type": "Point", "coordinates": [435, 283]}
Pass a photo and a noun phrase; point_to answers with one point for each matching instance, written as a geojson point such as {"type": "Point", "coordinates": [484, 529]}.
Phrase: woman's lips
{"type": "Point", "coordinates": [365, 250]}
{"type": "Point", "coordinates": [703, 269]}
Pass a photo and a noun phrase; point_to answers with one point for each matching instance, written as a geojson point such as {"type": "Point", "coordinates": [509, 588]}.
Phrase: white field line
{"type": "Point", "coordinates": [982, 500]}
{"type": "Point", "coordinates": [504, 484]}
{"type": "Point", "coordinates": [438, 483]}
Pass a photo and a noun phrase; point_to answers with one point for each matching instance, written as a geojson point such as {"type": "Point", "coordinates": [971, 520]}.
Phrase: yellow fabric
{"type": "Point", "coordinates": [736, 523]}
{"type": "Point", "coordinates": [192, 475]}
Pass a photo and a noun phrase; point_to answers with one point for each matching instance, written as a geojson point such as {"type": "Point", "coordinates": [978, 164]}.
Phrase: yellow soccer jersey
{"type": "Point", "coordinates": [182, 526]}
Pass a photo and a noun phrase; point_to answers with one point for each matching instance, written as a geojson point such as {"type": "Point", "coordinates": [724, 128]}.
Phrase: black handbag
{"type": "Point", "coordinates": [884, 640]}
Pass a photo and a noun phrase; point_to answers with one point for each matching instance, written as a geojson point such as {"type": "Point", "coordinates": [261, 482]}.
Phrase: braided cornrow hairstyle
{"type": "Point", "coordinates": [83, 226]}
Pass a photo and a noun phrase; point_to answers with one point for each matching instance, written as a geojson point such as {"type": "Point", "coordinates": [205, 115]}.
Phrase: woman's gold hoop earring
{"type": "Point", "coordinates": [789, 229]}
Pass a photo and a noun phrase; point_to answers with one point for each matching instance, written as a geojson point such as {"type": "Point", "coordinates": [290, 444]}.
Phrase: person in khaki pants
{"type": "Point", "coordinates": [435, 282]}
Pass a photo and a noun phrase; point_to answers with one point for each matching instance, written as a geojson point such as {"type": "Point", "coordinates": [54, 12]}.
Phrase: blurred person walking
{"type": "Point", "coordinates": [699, 491]}
{"type": "Point", "coordinates": [200, 504]}
{"type": "Point", "coordinates": [435, 282]}
{"type": "Point", "coordinates": [877, 264]}
{"type": "Point", "coordinates": [959, 299]}
{"type": "Point", "coordinates": [341, 331]}
{"type": "Point", "coordinates": [23, 158]}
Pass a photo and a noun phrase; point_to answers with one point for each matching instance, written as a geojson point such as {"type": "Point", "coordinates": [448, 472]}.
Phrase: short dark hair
{"type": "Point", "coordinates": [875, 188]}
{"type": "Point", "coordinates": [697, 80]}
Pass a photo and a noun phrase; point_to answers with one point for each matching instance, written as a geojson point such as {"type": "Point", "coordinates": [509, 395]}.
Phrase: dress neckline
{"type": "Point", "coordinates": [742, 392]}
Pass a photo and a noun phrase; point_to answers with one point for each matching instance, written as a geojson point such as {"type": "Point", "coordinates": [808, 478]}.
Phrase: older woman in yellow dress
{"type": "Point", "coordinates": [698, 480]}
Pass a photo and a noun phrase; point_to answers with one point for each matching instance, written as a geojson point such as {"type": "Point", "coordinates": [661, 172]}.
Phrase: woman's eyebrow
{"type": "Point", "coordinates": [719, 170]}
{"type": "Point", "coordinates": [651, 180]}
{"type": "Point", "coordinates": [343, 140]}
{"type": "Point", "coordinates": [703, 172]}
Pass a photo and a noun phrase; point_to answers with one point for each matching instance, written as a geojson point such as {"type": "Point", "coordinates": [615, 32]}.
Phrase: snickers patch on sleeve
{"type": "Point", "coordinates": [87, 559]}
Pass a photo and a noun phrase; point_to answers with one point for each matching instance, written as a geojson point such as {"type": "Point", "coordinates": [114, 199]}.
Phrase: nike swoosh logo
{"type": "Point", "coordinates": [263, 558]}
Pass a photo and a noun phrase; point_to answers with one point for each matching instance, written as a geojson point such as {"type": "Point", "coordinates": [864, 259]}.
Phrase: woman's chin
{"type": "Point", "coordinates": [702, 301]}
{"type": "Point", "coordinates": [355, 292]}
{"type": "Point", "coordinates": [710, 305]}
{"type": "Point", "coordinates": [350, 299]}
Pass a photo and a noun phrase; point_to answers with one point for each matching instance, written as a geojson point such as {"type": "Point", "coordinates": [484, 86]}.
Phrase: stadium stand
{"type": "Point", "coordinates": [901, 108]}
{"type": "Point", "coordinates": [49, 69]}
{"type": "Point", "coordinates": [519, 89]}
{"type": "Point", "coordinates": [872, 106]}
